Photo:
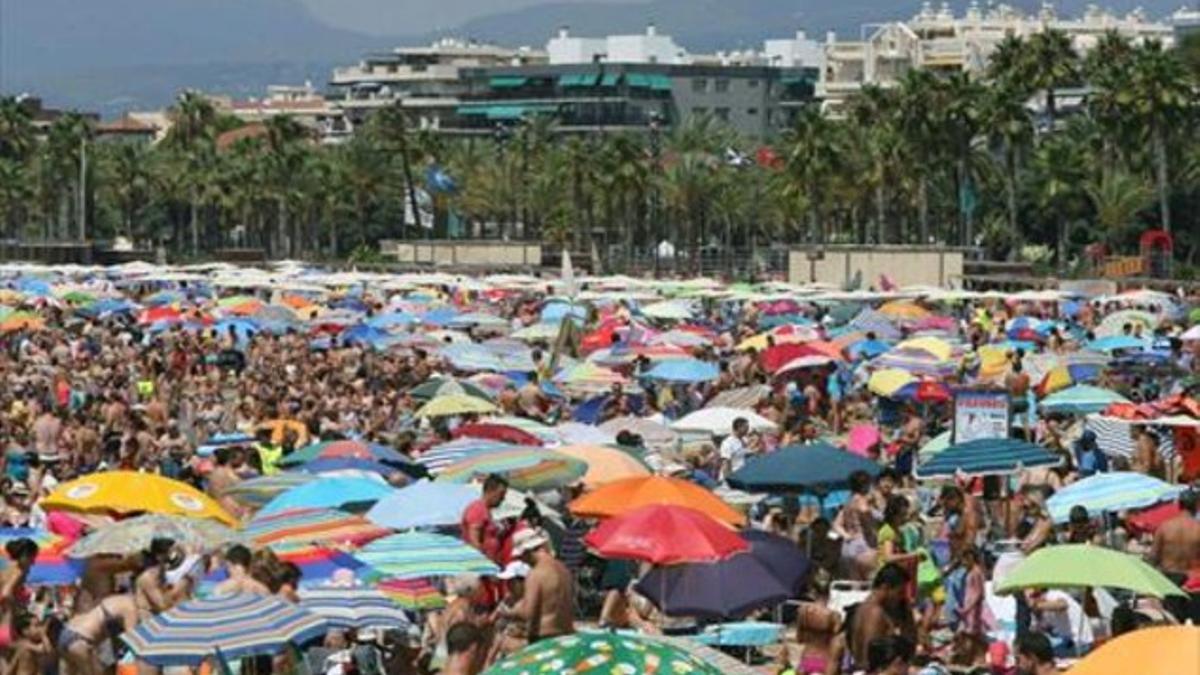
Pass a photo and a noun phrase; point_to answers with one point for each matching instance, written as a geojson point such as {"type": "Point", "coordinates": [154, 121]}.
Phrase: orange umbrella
{"type": "Point", "coordinates": [280, 427]}
{"type": "Point", "coordinates": [1161, 650]}
{"type": "Point", "coordinates": [605, 464]}
{"type": "Point", "coordinates": [903, 309]}
{"type": "Point", "coordinates": [626, 495]}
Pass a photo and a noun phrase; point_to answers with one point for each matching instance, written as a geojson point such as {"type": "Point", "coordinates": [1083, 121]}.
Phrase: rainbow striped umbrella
{"type": "Point", "coordinates": [346, 449]}
{"type": "Point", "coordinates": [441, 456]}
{"type": "Point", "coordinates": [589, 378]}
{"type": "Point", "coordinates": [414, 594]}
{"type": "Point", "coordinates": [530, 469]}
{"type": "Point", "coordinates": [310, 527]}
{"type": "Point", "coordinates": [233, 627]}
{"type": "Point", "coordinates": [354, 607]}
{"type": "Point", "coordinates": [413, 555]}
{"type": "Point", "coordinates": [317, 565]}
{"type": "Point", "coordinates": [52, 567]}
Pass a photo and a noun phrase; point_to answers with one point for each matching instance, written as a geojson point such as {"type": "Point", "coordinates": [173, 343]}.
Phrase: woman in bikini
{"type": "Point", "coordinates": [13, 594]}
{"type": "Point", "coordinates": [81, 640]}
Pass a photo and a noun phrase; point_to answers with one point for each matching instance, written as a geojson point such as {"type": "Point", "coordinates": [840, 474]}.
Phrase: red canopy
{"type": "Point", "coordinates": [665, 534]}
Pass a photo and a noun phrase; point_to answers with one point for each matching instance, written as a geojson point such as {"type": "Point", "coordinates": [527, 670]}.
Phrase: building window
{"type": "Point", "coordinates": [700, 85]}
{"type": "Point", "coordinates": [752, 111]}
{"type": "Point", "coordinates": [699, 112]}
{"type": "Point", "coordinates": [722, 86]}
{"type": "Point", "coordinates": [753, 84]}
{"type": "Point", "coordinates": [721, 114]}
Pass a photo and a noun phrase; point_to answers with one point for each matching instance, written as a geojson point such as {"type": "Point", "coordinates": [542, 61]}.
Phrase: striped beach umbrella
{"type": "Point", "coordinates": [310, 527]}
{"type": "Point", "coordinates": [233, 627]}
{"type": "Point", "coordinates": [1080, 400]}
{"type": "Point", "coordinates": [132, 535]}
{"type": "Point", "coordinates": [414, 555]}
{"type": "Point", "coordinates": [987, 456]}
{"type": "Point", "coordinates": [354, 607]}
{"type": "Point", "coordinates": [52, 567]}
{"type": "Point", "coordinates": [329, 492]}
{"type": "Point", "coordinates": [412, 594]}
{"type": "Point", "coordinates": [346, 449]}
{"type": "Point", "coordinates": [525, 468]}
{"type": "Point", "coordinates": [1110, 492]}
{"type": "Point", "coordinates": [443, 455]}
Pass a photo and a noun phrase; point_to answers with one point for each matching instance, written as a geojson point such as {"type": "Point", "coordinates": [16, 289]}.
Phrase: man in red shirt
{"type": "Point", "coordinates": [478, 528]}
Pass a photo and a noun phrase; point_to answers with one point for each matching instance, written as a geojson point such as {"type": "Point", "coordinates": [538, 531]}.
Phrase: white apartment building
{"type": "Point", "coordinates": [647, 47]}
{"type": "Point", "coordinates": [938, 39]}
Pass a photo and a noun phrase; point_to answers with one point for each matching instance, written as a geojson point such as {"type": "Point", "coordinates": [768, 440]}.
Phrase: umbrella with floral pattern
{"type": "Point", "coordinates": [602, 653]}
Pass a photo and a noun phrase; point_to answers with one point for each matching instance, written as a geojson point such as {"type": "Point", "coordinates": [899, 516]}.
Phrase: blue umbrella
{"type": "Point", "coordinates": [684, 370]}
{"type": "Point", "coordinates": [229, 440]}
{"type": "Point", "coordinates": [353, 607]}
{"type": "Point", "coordinates": [555, 310]}
{"type": "Point", "coordinates": [243, 329]}
{"type": "Point", "coordinates": [1116, 343]}
{"type": "Point", "coordinates": [867, 349]}
{"type": "Point", "coordinates": [986, 456]}
{"type": "Point", "coordinates": [392, 320]}
{"type": "Point", "coordinates": [439, 317]}
{"type": "Point", "coordinates": [780, 555]}
{"type": "Point", "coordinates": [328, 492]}
{"type": "Point", "coordinates": [106, 306]}
{"type": "Point", "coordinates": [363, 334]}
{"type": "Point", "coordinates": [729, 589]}
{"type": "Point", "coordinates": [423, 504]}
{"type": "Point", "coordinates": [334, 464]}
{"type": "Point", "coordinates": [232, 626]}
{"type": "Point", "coordinates": [1110, 492]}
{"type": "Point", "coordinates": [1081, 400]}
{"type": "Point", "coordinates": [800, 468]}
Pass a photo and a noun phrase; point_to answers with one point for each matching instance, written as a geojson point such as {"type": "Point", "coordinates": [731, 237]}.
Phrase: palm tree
{"type": "Point", "coordinates": [920, 122]}
{"type": "Point", "coordinates": [390, 126]}
{"type": "Point", "coordinates": [193, 137]}
{"type": "Point", "coordinates": [16, 130]}
{"type": "Point", "coordinates": [1160, 94]}
{"type": "Point", "coordinates": [284, 156]}
{"type": "Point", "coordinates": [1009, 125]}
{"type": "Point", "coordinates": [1052, 63]}
{"type": "Point", "coordinates": [14, 195]}
{"type": "Point", "coordinates": [1117, 199]}
{"type": "Point", "coordinates": [1057, 174]}
{"type": "Point", "coordinates": [130, 180]}
{"type": "Point", "coordinates": [812, 156]}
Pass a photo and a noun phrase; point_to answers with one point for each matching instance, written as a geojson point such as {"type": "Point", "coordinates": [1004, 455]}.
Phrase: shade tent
{"type": "Point", "coordinates": [987, 456]}
{"type": "Point", "coordinates": [800, 468]}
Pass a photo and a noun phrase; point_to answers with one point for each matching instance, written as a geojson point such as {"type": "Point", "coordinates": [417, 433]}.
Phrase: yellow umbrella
{"type": "Point", "coordinates": [940, 349]}
{"type": "Point", "coordinates": [134, 492]}
{"type": "Point", "coordinates": [280, 427]}
{"type": "Point", "coordinates": [903, 309]}
{"type": "Point", "coordinates": [605, 464]}
{"type": "Point", "coordinates": [993, 362]}
{"type": "Point", "coordinates": [455, 404]}
{"type": "Point", "coordinates": [889, 380]}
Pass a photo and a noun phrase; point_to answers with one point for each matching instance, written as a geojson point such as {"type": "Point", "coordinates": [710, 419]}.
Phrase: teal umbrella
{"type": "Point", "coordinates": [1081, 399]}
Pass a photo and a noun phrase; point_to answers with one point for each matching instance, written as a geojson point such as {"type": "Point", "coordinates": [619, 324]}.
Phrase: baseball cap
{"type": "Point", "coordinates": [514, 570]}
{"type": "Point", "coordinates": [528, 540]}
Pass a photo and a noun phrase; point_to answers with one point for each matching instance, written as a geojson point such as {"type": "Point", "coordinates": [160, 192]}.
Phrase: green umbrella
{"type": "Point", "coordinates": [1194, 316]}
{"type": "Point", "coordinates": [78, 298]}
{"type": "Point", "coordinates": [1085, 566]}
{"type": "Point", "coordinates": [602, 653]}
{"type": "Point", "coordinates": [935, 445]}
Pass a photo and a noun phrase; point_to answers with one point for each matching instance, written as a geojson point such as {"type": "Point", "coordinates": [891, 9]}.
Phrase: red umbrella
{"type": "Point", "coordinates": [663, 534]}
{"type": "Point", "coordinates": [497, 432]}
{"type": "Point", "coordinates": [1152, 518]}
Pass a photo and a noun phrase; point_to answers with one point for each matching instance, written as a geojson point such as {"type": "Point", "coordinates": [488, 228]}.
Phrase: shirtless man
{"type": "Point", "coordinates": [1176, 548]}
{"type": "Point", "coordinates": [549, 606]}
{"type": "Point", "coordinates": [80, 640]}
{"type": "Point", "coordinates": [225, 476]}
{"type": "Point", "coordinates": [237, 564]}
{"type": "Point", "coordinates": [884, 613]}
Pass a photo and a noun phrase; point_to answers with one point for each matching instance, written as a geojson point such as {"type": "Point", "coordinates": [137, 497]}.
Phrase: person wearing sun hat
{"type": "Point", "coordinates": [549, 604]}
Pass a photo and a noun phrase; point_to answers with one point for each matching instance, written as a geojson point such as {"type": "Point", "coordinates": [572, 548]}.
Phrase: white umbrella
{"type": "Point", "coordinates": [719, 421]}
{"type": "Point", "coordinates": [670, 310]}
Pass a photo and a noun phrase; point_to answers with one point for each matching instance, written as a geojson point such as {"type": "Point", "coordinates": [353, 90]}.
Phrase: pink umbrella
{"type": "Point", "coordinates": [935, 323]}
{"type": "Point", "coordinates": [862, 438]}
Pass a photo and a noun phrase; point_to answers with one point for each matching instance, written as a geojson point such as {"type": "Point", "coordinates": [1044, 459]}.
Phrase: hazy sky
{"type": "Point", "coordinates": [415, 16]}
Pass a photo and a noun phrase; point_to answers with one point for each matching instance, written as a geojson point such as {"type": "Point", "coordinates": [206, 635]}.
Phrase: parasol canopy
{"type": "Point", "coordinates": [626, 495]}
{"type": "Point", "coordinates": [1084, 565]}
{"type": "Point", "coordinates": [663, 534]}
{"type": "Point", "coordinates": [134, 492]}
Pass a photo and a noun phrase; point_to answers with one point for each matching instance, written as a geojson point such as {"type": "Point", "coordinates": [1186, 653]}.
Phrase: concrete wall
{"type": "Point", "coordinates": [470, 253]}
{"type": "Point", "coordinates": [904, 265]}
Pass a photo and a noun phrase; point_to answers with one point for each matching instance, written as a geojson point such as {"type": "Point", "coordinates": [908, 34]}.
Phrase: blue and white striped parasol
{"type": "Point", "coordinates": [354, 607]}
{"type": "Point", "coordinates": [413, 555]}
{"type": "Point", "coordinates": [234, 626]}
{"type": "Point", "coordinates": [1110, 492]}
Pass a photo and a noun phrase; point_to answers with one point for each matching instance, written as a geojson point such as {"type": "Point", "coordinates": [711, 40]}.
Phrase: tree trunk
{"type": "Point", "coordinates": [880, 213]}
{"type": "Point", "coordinates": [923, 210]}
{"type": "Point", "coordinates": [1010, 188]}
{"type": "Point", "coordinates": [194, 221]}
{"type": "Point", "coordinates": [1160, 165]}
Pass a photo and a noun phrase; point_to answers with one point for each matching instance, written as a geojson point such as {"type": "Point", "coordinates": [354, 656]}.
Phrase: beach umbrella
{"type": "Point", "coordinates": [134, 492]}
{"type": "Point", "coordinates": [668, 310]}
{"type": "Point", "coordinates": [903, 310]}
{"type": "Point", "coordinates": [1114, 324]}
{"type": "Point", "coordinates": [862, 438]}
{"type": "Point", "coordinates": [347, 449]}
{"type": "Point", "coordinates": [231, 627]}
{"type": "Point", "coordinates": [444, 386]}
{"type": "Point", "coordinates": [866, 348]}
{"type": "Point", "coordinates": [317, 565]}
{"type": "Point", "coordinates": [133, 535]}
{"type": "Point", "coordinates": [415, 554]}
{"type": "Point", "coordinates": [537, 332]}
{"type": "Point", "coordinates": [456, 404]}
{"type": "Point", "coordinates": [443, 455]}
{"type": "Point", "coordinates": [719, 421]}
{"type": "Point", "coordinates": [578, 433]}
{"type": "Point", "coordinates": [542, 433]}
{"type": "Point", "coordinates": [603, 653]}
{"type": "Point", "coordinates": [352, 466]}
{"type": "Point", "coordinates": [727, 589]}
{"type": "Point", "coordinates": [924, 391]}
{"type": "Point", "coordinates": [780, 555]}
{"type": "Point", "coordinates": [605, 464]}
{"type": "Point", "coordinates": [935, 445]}
{"type": "Point", "coordinates": [503, 432]}
{"type": "Point", "coordinates": [1080, 400]}
{"type": "Point", "coordinates": [626, 495]}
{"type": "Point", "coordinates": [423, 504]}
{"type": "Point", "coordinates": [589, 377]}
{"type": "Point", "coordinates": [1151, 519]}
{"type": "Point", "coordinates": [234, 439]}
{"type": "Point", "coordinates": [353, 607]}
{"type": "Point", "coordinates": [888, 381]}
{"type": "Point", "coordinates": [742, 397]}
{"type": "Point", "coordinates": [935, 347]}
{"type": "Point", "coordinates": [390, 320]}
{"type": "Point", "coordinates": [310, 527]}
{"type": "Point", "coordinates": [52, 566]}
{"type": "Point", "coordinates": [1062, 377]}
{"type": "Point", "coordinates": [987, 456]}
{"type": "Point", "coordinates": [1152, 650]}
{"type": "Point", "coordinates": [800, 468]}
{"type": "Point", "coordinates": [1192, 334]}
{"type": "Point", "coordinates": [412, 594]}
{"type": "Point", "coordinates": [1086, 566]}
{"type": "Point", "coordinates": [22, 321]}
{"type": "Point", "coordinates": [663, 534]}
{"type": "Point", "coordinates": [684, 370]}
{"type": "Point", "coordinates": [916, 362]}
{"type": "Point", "coordinates": [472, 357]}
{"type": "Point", "coordinates": [654, 434]}
{"type": "Point", "coordinates": [524, 468]}
{"type": "Point", "coordinates": [1115, 343]}
{"type": "Point", "coordinates": [328, 492]}
{"type": "Point", "coordinates": [262, 489]}
{"type": "Point", "coordinates": [803, 363]}
{"type": "Point", "coordinates": [1110, 492]}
